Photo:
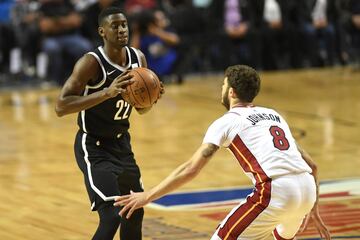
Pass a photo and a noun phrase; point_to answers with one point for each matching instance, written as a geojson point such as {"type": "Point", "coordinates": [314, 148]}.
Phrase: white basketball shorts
{"type": "Point", "coordinates": [276, 208]}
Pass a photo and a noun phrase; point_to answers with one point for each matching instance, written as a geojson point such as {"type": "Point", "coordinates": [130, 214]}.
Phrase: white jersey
{"type": "Point", "coordinates": [260, 140]}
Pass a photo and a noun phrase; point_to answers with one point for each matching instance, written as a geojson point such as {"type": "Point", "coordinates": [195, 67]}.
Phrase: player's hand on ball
{"type": "Point", "coordinates": [131, 202]}
{"type": "Point", "coordinates": [145, 90]}
{"type": "Point", "coordinates": [119, 84]}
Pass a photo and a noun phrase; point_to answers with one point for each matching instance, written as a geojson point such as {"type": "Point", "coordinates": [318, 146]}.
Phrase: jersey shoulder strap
{"type": "Point", "coordinates": [135, 57]}
{"type": "Point", "coordinates": [101, 61]}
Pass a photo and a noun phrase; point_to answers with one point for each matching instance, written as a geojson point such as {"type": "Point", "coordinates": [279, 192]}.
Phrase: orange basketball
{"type": "Point", "coordinates": [145, 90]}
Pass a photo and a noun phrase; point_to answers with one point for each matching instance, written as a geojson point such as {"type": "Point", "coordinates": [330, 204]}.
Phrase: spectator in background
{"type": "Point", "coordinates": [201, 3]}
{"type": "Point", "coordinates": [25, 21]}
{"type": "Point", "coordinates": [354, 30]}
{"type": "Point", "coordinates": [277, 21]}
{"type": "Point", "coordinates": [80, 5]}
{"type": "Point", "coordinates": [7, 39]}
{"type": "Point", "coordinates": [188, 23]}
{"type": "Point", "coordinates": [152, 35]}
{"type": "Point", "coordinates": [318, 26]}
{"type": "Point", "coordinates": [5, 9]}
{"type": "Point", "coordinates": [60, 24]}
{"type": "Point", "coordinates": [238, 40]}
{"type": "Point", "coordinates": [134, 6]}
{"type": "Point", "coordinates": [91, 22]}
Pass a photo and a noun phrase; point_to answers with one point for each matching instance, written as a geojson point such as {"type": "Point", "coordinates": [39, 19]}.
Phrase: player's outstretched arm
{"type": "Point", "coordinates": [314, 214]}
{"type": "Point", "coordinates": [86, 70]}
{"type": "Point", "coordinates": [184, 173]}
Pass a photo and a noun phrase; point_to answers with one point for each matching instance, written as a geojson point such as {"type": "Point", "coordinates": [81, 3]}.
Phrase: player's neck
{"type": "Point", "coordinates": [241, 104]}
{"type": "Point", "coordinates": [117, 56]}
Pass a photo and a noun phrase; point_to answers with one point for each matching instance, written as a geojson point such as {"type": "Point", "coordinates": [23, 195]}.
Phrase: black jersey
{"type": "Point", "coordinates": [111, 117]}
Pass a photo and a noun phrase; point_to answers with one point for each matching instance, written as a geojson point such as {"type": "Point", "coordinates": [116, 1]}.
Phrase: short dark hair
{"type": "Point", "coordinates": [106, 12]}
{"type": "Point", "coordinates": [244, 80]}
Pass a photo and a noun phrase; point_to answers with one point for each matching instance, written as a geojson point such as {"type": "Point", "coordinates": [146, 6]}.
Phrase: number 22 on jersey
{"type": "Point", "coordinates": [123, 110]}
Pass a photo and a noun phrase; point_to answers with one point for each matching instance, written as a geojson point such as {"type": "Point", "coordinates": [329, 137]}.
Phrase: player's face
{"type": "Point", "coordinates": [225, 94]}
{"type": "Point", "coordinates": [115, 30]}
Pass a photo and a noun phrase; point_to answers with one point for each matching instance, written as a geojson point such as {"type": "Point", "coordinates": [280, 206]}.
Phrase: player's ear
{"type": "Point", "coordinates": [101, 31]}
{"type": "Point", "coordinates": [232, 93]}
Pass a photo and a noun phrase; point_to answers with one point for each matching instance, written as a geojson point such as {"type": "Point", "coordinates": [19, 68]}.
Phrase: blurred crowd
{"type": "Point", "coordinates": [43, 39]}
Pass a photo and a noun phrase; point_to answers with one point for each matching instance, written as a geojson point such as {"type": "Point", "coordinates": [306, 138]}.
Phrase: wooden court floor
{"type": "Point", "coordinates": [42, 195]}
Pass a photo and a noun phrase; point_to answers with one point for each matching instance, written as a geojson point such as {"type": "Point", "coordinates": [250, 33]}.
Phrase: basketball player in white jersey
{"type": "Point", "coordinates": [284, 176]}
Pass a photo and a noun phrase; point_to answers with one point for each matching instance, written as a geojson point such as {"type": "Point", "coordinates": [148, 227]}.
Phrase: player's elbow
{"type": "Point", "coordinates": [63, 107]}
{"type": "Point", "coordinates": [190, 175]}
{"type": "Point", "coordinates": [192, 172]}
{"type": "Point", "coordinates": [59, 111]}
{"type": "Point", "coordinates": [142, 111]}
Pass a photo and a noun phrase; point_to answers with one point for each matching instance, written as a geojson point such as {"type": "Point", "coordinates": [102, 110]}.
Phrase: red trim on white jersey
{"type": "Point", "coordinates": [255, 204]}
{"type": "Point", "coordinates": [247, 160]}
{"type": "Point", "coordinates": [242, 217]}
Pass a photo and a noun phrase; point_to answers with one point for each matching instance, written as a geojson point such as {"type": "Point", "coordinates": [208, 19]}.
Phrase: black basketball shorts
{"type": "Point", "coordinates": [108, 166]}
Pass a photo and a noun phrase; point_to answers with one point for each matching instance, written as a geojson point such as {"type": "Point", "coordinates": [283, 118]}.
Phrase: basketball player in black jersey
{"type": "Point", "coordinates": [102, 145]}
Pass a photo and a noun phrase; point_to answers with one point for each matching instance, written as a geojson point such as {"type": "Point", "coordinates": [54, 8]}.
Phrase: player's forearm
{"type": "Point", "coordinates": [177, 178]}
{"type": "Point", "coordinates": [185, 172]}
{"type": "Point", "coordinates": [73, 104]}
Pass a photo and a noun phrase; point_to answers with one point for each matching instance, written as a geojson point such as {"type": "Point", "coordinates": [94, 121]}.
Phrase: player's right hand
{"type": "Point", "coordinates": [119, 84]}
{"type": "Point", "coordinates": [131, 202]}
{"type": "Point", "coordinates": [319, 224]}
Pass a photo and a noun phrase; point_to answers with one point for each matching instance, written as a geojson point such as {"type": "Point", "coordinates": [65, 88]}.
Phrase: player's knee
{"type": "Point", "coordinates": [137, 216]}
{"type": "Point", "coordinates": [131, 228]}
{"type": "Point", "coordinates": [110, 215]}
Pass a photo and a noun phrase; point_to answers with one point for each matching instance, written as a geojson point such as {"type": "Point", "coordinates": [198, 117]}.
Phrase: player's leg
{"type": "Point", "coordinates": [105, 185]}
{"type": "Point", "coordinates": [101, 184]}
{"type": "Point", "coordinates": [259, 229]}
{"type": "Point", "coordinates": [109, 222]}
{"type": "Point", "coordinates": [290, 230]}
{"type": "Point", "coordinates": [251, 219]}
{"type": "Point", "coordinates": [303, 191]}
{"type": "Point", "coordinates": [131, 228]}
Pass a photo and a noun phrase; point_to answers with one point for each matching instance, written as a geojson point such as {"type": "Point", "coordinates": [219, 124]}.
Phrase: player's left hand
{"type": "Point", "coordinates": [319, 224]}
{"type": "Point", "coordinates": [131, 202]}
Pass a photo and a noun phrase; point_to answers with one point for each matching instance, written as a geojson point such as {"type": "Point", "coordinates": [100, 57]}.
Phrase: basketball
{"type": "Point", "coordinates": [145, 90]}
